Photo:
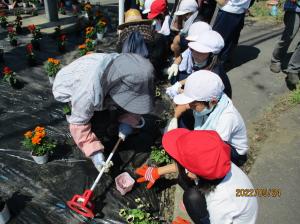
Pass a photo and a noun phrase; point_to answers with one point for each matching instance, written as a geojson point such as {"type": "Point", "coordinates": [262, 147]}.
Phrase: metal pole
{"type": "Point", "coordinates": [51, 10]}
{"type": "Point", "coordinates": [121, 12]}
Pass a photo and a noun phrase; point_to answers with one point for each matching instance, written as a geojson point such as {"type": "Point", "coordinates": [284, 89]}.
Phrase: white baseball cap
{"type": "Point", "coordinates": [186, 6]}
{"type": "Point", "coordinates": [210, 41]}
{"type": "Point", "coordinates": [147, 6]}
{"type": "Point", "coordinates": [196, 30]}
{"type": "Point", "coordinates": [202, 85]}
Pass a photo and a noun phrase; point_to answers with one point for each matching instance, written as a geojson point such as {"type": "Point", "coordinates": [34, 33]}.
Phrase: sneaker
{"type": "Point", "coordinates": [275, 67]}
{"type": "Point", "coordinates": [292, 79]}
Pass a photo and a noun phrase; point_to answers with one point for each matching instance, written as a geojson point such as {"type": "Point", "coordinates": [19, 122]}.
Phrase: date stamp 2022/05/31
{"type": "Point", "coordinates": [258, 192]}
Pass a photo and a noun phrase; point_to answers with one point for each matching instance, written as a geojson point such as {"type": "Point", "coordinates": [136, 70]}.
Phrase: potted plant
{"type": "Point", "coordinates": [89, 32]}
{"type": "Point", "coordinates": [9, 76]}
{"type": "Point", "coordinates": [30, 55]}
{"type": "Point", "coordinates": [36, 36]}
{"type": "Point", "coordinates": [124, 183]}
{"type": "Point", "coordinates": [159, 156]}
{"type": "Point", "coordinates": [100, 28]}
{"type": "Point", "coordinates": [4, 212]}
{"type": "Point", "coordinates": [139, 215]}
{"type": "Point", "coordinates": [61, 43]}
{"type": "Point", "coordinates": [12, 36]}
{"type": "Point", "coordinates": [62, 9]}
{"type": "Point", "coordinates": [3, 21]}
{"type": "Point", "coordinates": [88, 46]}
{"type": "Point", "coordinates": [39, 144]}
{"type": "Point", "coordinates": [18, 24]}
{"type": "Point", "coordinates": [52, 66]}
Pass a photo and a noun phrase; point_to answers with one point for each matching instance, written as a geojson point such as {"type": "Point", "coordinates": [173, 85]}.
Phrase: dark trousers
{"type": "Point", "coordinates": [229, 25]}
{"type": "Point", "coordinates": [292, 24]}
{"type": "Point", "coordinates": [136, 147]}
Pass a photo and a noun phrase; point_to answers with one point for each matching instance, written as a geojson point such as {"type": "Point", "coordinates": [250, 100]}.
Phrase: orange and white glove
{"type": "Point", "coordinates": [148, 174]}
{"type": "Point", "coordinates": [180, 220]}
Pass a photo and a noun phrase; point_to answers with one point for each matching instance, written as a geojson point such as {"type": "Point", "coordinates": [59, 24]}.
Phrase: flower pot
{"type": "Point", "coordinates": [124, 183]}
{"type": "Point", "coordinates": [40, 159]}
{"type": "Point", "coordinates": [51, 79]}
{"type": "Point", "coordinates": [100, 36]}
{"type": "Point", "coordinates": [4, 215]}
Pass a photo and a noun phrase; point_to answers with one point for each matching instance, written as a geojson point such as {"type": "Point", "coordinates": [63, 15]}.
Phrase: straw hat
{"type": "Point", "coordinates": [134, 17]}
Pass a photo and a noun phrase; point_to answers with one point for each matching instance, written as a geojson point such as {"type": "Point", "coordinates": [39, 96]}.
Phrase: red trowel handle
{"type": "Point", "coordinates": [82, 205]}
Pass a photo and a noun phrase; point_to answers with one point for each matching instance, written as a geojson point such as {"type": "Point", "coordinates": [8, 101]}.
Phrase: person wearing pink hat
{"type": "Point", "coordinates": [208, 177]}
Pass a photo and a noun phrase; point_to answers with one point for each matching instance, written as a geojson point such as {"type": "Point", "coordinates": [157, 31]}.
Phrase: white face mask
{"type": "Point", "coordinates": [199, 65]}
{"type": "Point", "coordinates": [205, 111]}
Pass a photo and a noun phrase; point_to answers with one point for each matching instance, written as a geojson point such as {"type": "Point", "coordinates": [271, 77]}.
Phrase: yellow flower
{"type": "Point", "coordinates": [89, 30]}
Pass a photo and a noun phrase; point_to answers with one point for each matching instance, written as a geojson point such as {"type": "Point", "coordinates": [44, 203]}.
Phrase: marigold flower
{"type": "Point", "coordinates": [36, 140]}
{"type": "Point", "coordinates": [89, 30]}
{"type": "Point", "coordinates": [87, 40]}
{"type": "Point", "coordinates": [28, 134]}
{"type": "Point", "coordinates": [39, 129]}
{"type": "Point", "coordinates": [82, 46]}
{"type": "Point", "coordinates": [40, 135]}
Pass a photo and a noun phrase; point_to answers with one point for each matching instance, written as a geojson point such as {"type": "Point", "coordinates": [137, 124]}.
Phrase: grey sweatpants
{"type": "Point", "coordinates": [292, 24]}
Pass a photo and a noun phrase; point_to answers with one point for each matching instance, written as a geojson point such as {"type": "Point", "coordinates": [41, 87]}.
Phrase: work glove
{"type": "Point", "coordinates": [180, 220]}
{"type": "Point", "coordinates": [173, 90]}
{"type": "Point", "coordinates": [172, 124]}
{"type": "Point", "coordinates": [98, 160]}
{"type": "Point", "coordinates": [124, 131]}
{"type": "Point", "coordinates": [148, 174]}
{"type": "Point", "coordinates": [173, 70]}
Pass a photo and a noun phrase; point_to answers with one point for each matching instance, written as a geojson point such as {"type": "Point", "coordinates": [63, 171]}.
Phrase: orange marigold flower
{"type": "Point", "coordinates": [28, 134]}
{"type": "Point", "coordinates": [82, 46]}
{"type": "Point", "coordinates": [87, 40]}
{"type": "Point", "coordinates": [36, 140]}
{"type": "Point", "coordinates": [40, 135]}
{"type": "Point", "coordinates": [39, 129]}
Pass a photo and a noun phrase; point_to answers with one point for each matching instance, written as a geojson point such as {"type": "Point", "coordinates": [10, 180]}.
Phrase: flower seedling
{"type": "Point", "coordinates": [30, 54]}
{"type": "Point", "coordinates": [61, 42]}
{"type": "Point", "coordinates": [89, 32]}
{"type": "Point", "coordinates": [88, 46]}
{"type": "Point", "coordinates": [101, 25]}
{"type": "Point", "coordinates": [52, 67]}
{"type": "Point", "coordinates": [139, 215]}
{"type": "Point", "coordinates": [12, 36]}
{"type": "Point", "coordinates": [9, 76]}
{"type": "Point", "coordinates": [3, 21]}
{"type": "Point", "coordinates": [159, 156]}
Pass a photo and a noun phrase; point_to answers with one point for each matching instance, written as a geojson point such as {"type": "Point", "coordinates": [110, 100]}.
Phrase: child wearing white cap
{"type": "Point", "coordinates": [202, 54]}
{"type": "Point", "coordinates": [213, 110]}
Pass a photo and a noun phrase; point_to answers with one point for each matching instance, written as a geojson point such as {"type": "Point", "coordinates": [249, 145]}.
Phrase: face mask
{"type": "Point", "coordinates": [199, 65]}
{"type": "Point", "coordinates": [205, 111]}
{"type": "Point", "coordinates": [157, 25]}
